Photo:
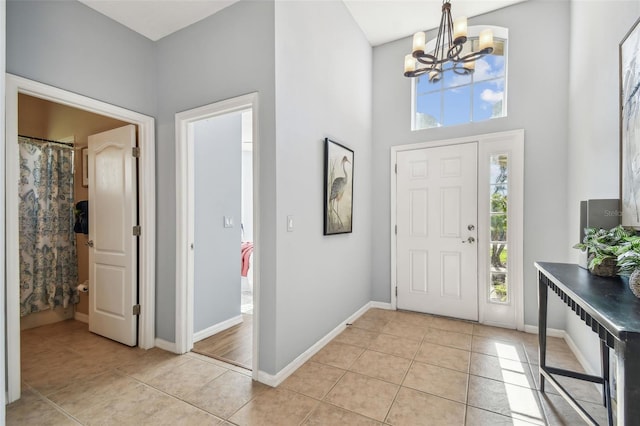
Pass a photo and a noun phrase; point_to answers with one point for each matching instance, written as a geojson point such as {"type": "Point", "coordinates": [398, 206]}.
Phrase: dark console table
{"type": "Point", "coordinates": [613, 312]}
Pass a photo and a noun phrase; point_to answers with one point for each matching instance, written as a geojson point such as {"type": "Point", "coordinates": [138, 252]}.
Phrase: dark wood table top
{"type": "Point", "coordinates": [607, 300]}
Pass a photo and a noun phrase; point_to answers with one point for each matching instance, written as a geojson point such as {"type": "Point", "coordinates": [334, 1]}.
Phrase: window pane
{"type": "Point", "coordinates": [498, 186]}
{"type": "Point", "coordinates": [490, 66]}
{"type": "Point", "coordinates": [499, 168]}
{"type": "Point", "coordinates": [498, 227]}
{"type": "Point", "coordinates": [498, 289]}
{"type": "Point", "coordinates": [488, 99]}
{"type": "Point", "coordinates": [451, 79]}
{"type": "Point", "coordinates": [456, 106]}
{"type": "Point", "coordinates": [428, 111]}
{"type": "Point", "coordinates": [458, 99]}
{"type": "Point", "coordinates": [498, 203]}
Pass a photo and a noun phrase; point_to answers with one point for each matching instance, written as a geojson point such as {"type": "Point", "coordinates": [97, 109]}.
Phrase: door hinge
{"type": "Point", "coordinates": [136, 309]}
{"type": "Point", "coordinates": [396, 168]}
{"type": "Point", "coordinates": [396, 291]}
{"type": "Point", "coordinates": [396, 229]}
{"type": "Point", "coordinates": [137, 231]}
{"type": "Point", "coordinates": [135, 152]}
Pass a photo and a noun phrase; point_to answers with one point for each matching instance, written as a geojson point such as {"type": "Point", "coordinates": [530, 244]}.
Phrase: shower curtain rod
{"type": "Point", "coordinates": [70, 144]}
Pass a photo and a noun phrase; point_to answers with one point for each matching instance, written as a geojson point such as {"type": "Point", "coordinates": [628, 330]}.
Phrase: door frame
{"type": "Point", "coordinates": [185, 212]}
{"type": "Point", "coordinates": [513, 143]}
{"type": "Point", "coordinates": [146, 211]}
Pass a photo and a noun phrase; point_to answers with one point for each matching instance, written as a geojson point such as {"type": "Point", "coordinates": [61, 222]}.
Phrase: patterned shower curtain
{"type": "Point", "coordinates": [48, 262]}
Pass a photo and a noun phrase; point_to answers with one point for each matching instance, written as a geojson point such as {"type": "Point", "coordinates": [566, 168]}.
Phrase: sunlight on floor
{"type": "Point", "coordinates": [518, 385]}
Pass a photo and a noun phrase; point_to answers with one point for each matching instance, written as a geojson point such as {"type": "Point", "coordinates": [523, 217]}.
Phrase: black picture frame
{"type": "Point", "coordinates": [630, 127]}
{"type": "Point", "coordinates": [338, 188]}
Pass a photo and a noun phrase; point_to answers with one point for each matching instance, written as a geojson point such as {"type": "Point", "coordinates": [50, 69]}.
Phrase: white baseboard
{"type": "Point", "coordinates": [167, 346]}
{"type": "Point", "coordinates": [281, 376]}
{"type": "Point", "coordinates": [552, 332]}
{"type": "Point", "coordinates": [381, 305]}
{"type": "Point", "coordinates": [79, 316]}
{"type": "Point", "coordinates": [216, 328]}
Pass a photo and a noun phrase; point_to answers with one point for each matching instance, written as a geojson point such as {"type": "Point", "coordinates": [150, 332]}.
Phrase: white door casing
{"type": "Point", "coordinates": [113, 250]}
{"type": "Point", "coordinates": [510, 143]}
{"type": "Point", "coordinates": [184, 219]}
{"type": "Point", "coordinates": [147, 211]}
{"type": "Point", "coordinates": [437, 229]}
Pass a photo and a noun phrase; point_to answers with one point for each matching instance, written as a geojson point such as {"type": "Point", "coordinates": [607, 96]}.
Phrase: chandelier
{"type": "Point", "coordinates": [452, 36]}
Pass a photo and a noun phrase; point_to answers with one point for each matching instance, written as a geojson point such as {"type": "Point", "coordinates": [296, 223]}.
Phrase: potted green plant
{"type": "Point", "coordinates": [629, 262]}
{"type": "Point", "coordinates": [602, 247]}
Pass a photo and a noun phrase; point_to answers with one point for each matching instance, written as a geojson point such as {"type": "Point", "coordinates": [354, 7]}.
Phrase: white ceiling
{"type": "Point", "coordinates": [381, 20]}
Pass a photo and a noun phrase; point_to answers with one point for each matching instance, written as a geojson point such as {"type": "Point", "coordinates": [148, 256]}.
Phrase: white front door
{"type": "Point", "coordinates": [437, 213]}
{"type": "Point", "coordinates": [113, 248]}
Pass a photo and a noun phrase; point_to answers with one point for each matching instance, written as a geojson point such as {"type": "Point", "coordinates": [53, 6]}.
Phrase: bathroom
{"type": "Point", "coordinates": [43, 123]}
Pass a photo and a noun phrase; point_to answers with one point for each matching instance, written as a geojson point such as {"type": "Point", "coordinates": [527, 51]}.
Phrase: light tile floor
{"type": "Point", "coordinates": [389, 367]}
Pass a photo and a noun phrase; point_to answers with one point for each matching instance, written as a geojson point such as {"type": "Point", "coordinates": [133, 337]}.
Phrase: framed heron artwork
{"type": "Point", "coordinates": [630, 127]}
{"type": "Point", "coordinates": [338, 188]}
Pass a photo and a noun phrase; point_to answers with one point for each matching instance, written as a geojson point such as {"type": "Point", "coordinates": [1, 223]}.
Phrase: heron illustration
{"type": "Point", "coordinates": [337, 189]}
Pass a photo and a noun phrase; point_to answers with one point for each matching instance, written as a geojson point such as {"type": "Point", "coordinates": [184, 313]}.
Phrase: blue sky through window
{"type": "Point", "coordinates": [458, 99]}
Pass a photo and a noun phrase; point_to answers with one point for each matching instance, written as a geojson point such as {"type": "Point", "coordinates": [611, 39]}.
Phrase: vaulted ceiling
{"type": "Point", "coordinates": [381, 21]}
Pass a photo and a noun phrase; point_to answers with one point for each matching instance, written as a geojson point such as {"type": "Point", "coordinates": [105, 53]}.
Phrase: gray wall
{"type": "Point", "coordinates": [68, 45]}
{"type": "Point", "coordinates": [197, 66]}
{"type": "Point", "coordinates": [225, 55]}
{"type": "Point", "coordinates": [594, 141]}
{"type": "Point", "coordinates": [537, 102]}
{"type": "Point", "coordinates": [217, 170]}
{"type": "Point", "coordinates": [323, 81]}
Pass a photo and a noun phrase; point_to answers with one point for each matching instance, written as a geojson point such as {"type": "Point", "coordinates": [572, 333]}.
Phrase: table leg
{"type": "Point", "coordinates": [606, 384]}
{"type": "Point", "coordinates": [628, 381]}
{"type": "Point", "coordinates": [542, 325]}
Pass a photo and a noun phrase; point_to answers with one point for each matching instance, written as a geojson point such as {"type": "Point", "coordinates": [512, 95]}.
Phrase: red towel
{"type": "Point", "coordinates": [245, 252]}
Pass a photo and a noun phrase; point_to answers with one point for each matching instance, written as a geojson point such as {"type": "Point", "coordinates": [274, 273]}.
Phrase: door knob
{"type": "Point", "coordinates": [469, 240]}
{"type": "Point", "coordinates": [471, 227]}
{"type": "Point", "coordinates": [90, 243]}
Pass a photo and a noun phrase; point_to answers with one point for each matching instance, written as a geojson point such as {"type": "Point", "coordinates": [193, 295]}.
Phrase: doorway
{"type": "Point", "coordinates": [217, 230]}
{"type": "Point", "coordinates": [437, 217]}
{"type": "Point", "coordinates": [146, 171]}
{"type": "Point", "coordinates": [471, 240]}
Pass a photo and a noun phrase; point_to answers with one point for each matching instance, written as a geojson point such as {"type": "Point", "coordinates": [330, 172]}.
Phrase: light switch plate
{"type": "Point", "coordinates": [289, 223]}
{"type": "Point", "coordinates": [228, 222]}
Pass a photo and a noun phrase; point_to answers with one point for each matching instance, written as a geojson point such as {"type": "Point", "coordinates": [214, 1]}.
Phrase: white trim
{"type": "Point", "coordinates": [184, 221]}
{"type": "Point", "coordinates": [216, 328]}
{"type": "Point", "coordinates": [381, 305]}
{"type": "Point", "coordinates": [289, 369]}
{"type": "Point", "coordinates": [499, 314]}
{"type": "Point", "coordinates": [79, 316]}
{"type": "Point", "coordinates": [147, 210]}
{"type": "Point", "coordinates": [551, 332]}
{"type": "Point", "coordinates": [166, 346]}
{"type": "Point", "coordinates": [3, 373]}
{"type": "Point", "coordinates": [485, 142]}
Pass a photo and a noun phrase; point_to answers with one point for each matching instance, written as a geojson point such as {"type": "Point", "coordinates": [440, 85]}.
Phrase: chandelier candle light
{"type": "Point", "coordinates": [452, 36]}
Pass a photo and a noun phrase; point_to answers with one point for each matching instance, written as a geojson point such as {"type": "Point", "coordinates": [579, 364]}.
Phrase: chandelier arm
{"type": "Point", "coordinates": [460, 70]}
{"type": "Point", "coordinates": [442, 54]}
{"type": "Point", "coordinates": [416, 73]}
{"type": "Point", "coordinates": [430, 59]}
{"type": "Point", "coordinates": [473, 56]}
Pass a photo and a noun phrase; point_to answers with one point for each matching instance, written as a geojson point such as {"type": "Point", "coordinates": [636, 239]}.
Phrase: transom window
{"type": "Point", "coordinates": [458, 99]}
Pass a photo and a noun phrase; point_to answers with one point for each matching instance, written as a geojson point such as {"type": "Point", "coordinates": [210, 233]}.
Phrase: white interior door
{"type": "Point", "coordinates": [113, 248]}
{"type": "Point", "coordinates": [437, 213]}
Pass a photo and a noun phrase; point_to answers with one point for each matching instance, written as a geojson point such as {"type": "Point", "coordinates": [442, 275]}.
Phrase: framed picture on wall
{"type": "Point", "coordinates": [630, 127]}
{"type": "Point", "coordinates": [338, 188]}
{"type": "Point", "coordinates": [85, 167]}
